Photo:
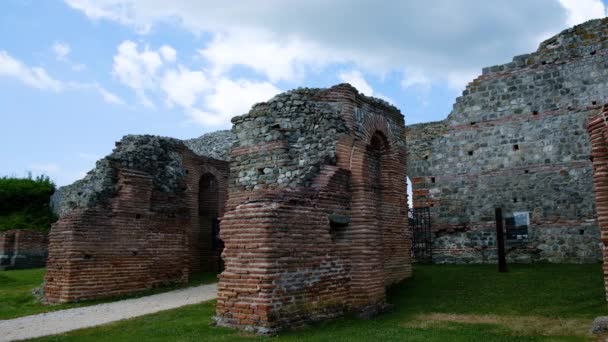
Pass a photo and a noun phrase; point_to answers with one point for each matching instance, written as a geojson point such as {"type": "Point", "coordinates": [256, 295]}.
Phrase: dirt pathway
{"type": "Point", "coordinates": [57, 322]}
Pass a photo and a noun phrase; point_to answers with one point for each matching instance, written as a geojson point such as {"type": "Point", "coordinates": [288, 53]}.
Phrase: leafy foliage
{"type": "Point", "coordinates": [24, 203]}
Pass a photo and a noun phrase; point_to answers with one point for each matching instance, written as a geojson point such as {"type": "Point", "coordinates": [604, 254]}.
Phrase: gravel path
{"type": "Point", "coordinates": [57, 322]}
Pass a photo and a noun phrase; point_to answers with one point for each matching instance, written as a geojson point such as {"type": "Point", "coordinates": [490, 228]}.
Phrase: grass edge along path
{"type": "Point", "coordinates": [440, 303]}
{"type": "Point", "coordinates": [17, 300]}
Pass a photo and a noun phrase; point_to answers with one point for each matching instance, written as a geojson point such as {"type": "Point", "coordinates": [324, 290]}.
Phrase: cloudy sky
{"type": "Point", "coordinates": [77, 75]}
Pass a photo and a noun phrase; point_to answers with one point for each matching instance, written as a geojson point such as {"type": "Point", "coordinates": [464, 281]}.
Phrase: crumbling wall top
{"type": "Point", "coordinates": [295, 133]}
{"type": "Point", "coordinates": [157, 156]}
{"type": "Point", "coordinates": [571, 43]}
{"type": "Point", "coordinates": [214, 145]}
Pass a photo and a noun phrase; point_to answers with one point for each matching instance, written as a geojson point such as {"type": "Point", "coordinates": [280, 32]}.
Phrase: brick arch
{"type": "Point", "coordinates": [204, 252]}
{"type": "Point", "coordinates": [222, 181]}
{"type": "Point", "coordinates": [208, 195]}
{"type": "Point", "coordinates": [377, 124]}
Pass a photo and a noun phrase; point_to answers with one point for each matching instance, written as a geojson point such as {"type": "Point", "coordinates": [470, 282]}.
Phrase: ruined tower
{"type": "Point", "coordinates": [315, 223]}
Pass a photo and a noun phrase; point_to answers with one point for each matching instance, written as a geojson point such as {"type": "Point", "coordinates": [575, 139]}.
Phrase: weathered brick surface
{"type": "Point", "coordinates": [516, 139]}
{"type": "Point", "coordinates": [598, 132]}
{"type": "Point", "coordinates": [22, 248]}
{"type": "Point", "coordinates": [302, 160]}
{"type": "Point", "coordinates": [139, 237]}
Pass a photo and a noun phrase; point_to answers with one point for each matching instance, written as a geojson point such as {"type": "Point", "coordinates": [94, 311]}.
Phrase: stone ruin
{"type": "Point", "coordinates": [147, 215]}
{"type": "Point", "coordinates": [22, 248]}
{"type": "Point", "coordinates": [516, 139]}
{"type": "Point", "coordinates": [306, 195]}
{"type": "Point", "coordinates": [315, 220]}
{"type": "Point", "coordinates": [311, 209]}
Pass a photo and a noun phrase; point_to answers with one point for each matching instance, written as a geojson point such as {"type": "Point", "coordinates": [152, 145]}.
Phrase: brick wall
{"type": "Point", "coordinates": [22, 248]}
{"type": "Point", "coordinates": [315, 224]}
{"type": "Point", "coordinates": [140, 237]}
{"type": "Point", "coordinates": [598, 131]}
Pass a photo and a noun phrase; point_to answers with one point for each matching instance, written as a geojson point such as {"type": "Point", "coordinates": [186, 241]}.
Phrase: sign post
{"type": "Point", "coordinates": [500, 241]}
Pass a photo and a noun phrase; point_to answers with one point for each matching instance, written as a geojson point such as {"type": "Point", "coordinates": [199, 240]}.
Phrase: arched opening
{"type": "Point", "coordinates": [410, 193]}
{"type": "Point", "coordinates": [376, 150]}
{"type": "Point", "coordinates": [208, 212]}
{"type": "Point", "coordinates": [376, 164]}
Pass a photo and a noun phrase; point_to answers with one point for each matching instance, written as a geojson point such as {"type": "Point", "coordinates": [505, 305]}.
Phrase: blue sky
{"type": "Point", "coordinates": [77, 75]}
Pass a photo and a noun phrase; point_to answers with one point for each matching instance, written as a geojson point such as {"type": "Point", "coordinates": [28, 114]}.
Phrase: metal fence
{"type": "Point", "coordinates": [419, 220]}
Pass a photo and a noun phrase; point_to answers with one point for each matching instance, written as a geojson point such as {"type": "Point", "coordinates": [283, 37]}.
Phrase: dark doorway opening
{"type": "Point", "coordinates": [209, 204]}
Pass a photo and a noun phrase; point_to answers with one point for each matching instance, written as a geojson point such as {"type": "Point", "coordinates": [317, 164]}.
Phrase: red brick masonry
{"type": "Point", "coordinates": [313, 252]}
{"type": "Point", "coordinates": [22, 248]}
{"type": "Point", "coordinates": [598, 130]}
{"type": "Point", "coordinates": [138, 239]}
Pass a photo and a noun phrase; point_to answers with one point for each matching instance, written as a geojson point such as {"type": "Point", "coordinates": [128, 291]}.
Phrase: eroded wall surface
{"type": "Point", "coordinates": [136, 221]}
{"type": "Point", "coordinates": [22, 248]}
{"type": "Point", "coordinates": [316, 215]}
{"type": "Point", "coordinates": [516, 139]}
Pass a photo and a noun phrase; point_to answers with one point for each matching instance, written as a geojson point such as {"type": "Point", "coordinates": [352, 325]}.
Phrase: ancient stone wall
{"type": "Point", "coordinates": [135, 222]}
{"type": "Point", "coordinates": [316, 216]}
{"type": "Point", "coordinates": [22, 248]}
{"type": "Point", "coordinates": [598, 131]}
{"type": "Point", "coordinates": [516, 139]}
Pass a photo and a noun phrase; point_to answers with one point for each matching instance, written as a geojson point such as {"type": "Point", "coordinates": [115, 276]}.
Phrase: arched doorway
{"type": "Point", "coordinates": [376, 152]}
{"type": "Point", "coordinates": [208, 212]}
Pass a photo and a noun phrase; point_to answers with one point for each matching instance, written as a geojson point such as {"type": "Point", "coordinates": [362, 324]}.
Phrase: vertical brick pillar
{"type": "Point", "coordinates": [367, 284]}
{"type": "Point", "coordinates": [598, 130]}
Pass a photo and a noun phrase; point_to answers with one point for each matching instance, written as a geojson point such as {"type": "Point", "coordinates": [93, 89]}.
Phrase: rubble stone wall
{"type": "Point", "coordinates": [315, 224]}
{"type": "Point", "coordinates": [516, 139]}
{"type": "Point", "coordinates": [22, 248]}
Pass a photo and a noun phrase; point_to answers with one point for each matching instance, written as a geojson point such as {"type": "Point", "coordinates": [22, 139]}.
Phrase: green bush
{"type": "Point", "coordinates": [24, 203]}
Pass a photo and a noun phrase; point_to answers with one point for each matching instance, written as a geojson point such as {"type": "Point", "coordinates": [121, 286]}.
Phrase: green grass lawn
{"type": "Point", "coordinates": [440, 303]}
{"type": "Point", "coordinates": [16, 297]}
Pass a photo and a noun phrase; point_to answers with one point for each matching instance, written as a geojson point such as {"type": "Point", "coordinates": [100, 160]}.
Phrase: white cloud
{"type": "Point", "coordinates": [35, 77]}
{"type": "Point", "coordinates": [61, 50]}
{"type": "Point", "coordinates": [169, 54]}
{"type": "Point", "coordinates": [112, 10]}
{"type": "Point", "coordinates": [209, 98]}
{"type": "Point", "coordinates": [457, 80]}
{"type": "Point", "coordinates": [137, 69]}
{"type": "Point", "coordinates": [284, 40]}
{"type": "Point", "coordinates": [580, 11]}
{"type": "Point", "coordinates": [108, 96]}
{"type": "Point", "coordinates": [356, 79]}
{"type": "Point", "coordinates": [415, 78]}
{"type": "Point", "coordinates": [232, 97]}
{"type": "Point", "coordinates": [105, 94]}
{"type": "Point", "coordinates": [265, 53]}
{"type": "Point", "coordinates": [182, 86]}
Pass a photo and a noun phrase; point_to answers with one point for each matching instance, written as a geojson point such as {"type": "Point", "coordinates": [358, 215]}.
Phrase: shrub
{"type": "Point", "coordinates": [24, 203]}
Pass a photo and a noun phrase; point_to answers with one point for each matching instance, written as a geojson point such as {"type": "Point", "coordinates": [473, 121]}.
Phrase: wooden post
{"type": "Point", "coordinates": [500, 241]}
